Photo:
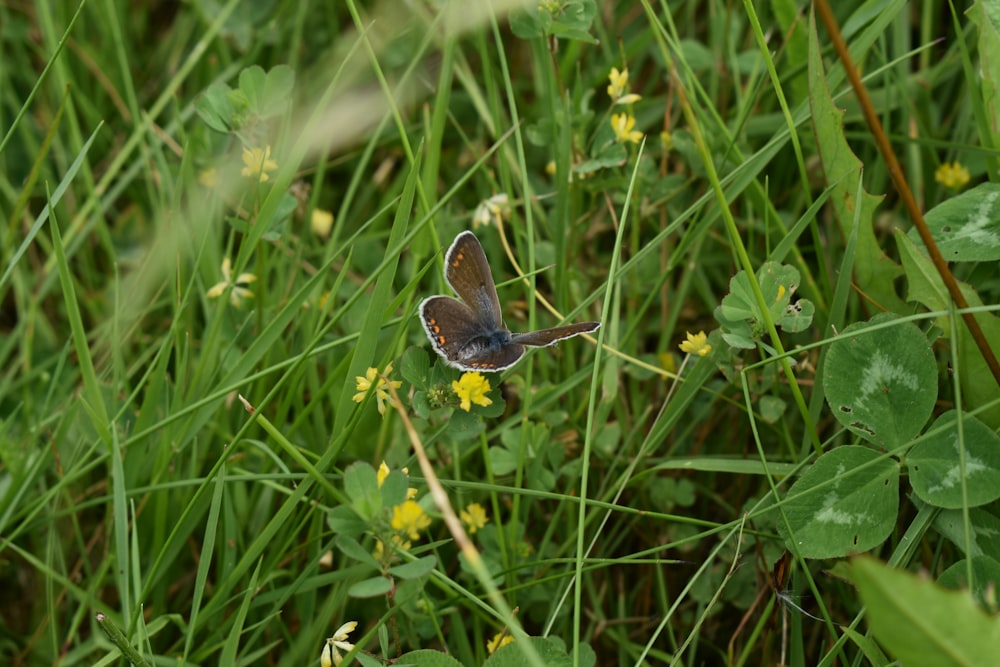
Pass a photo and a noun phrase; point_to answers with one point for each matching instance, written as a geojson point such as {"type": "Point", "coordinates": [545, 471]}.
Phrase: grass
{"type": "Point", "coordinates": [188, 458]}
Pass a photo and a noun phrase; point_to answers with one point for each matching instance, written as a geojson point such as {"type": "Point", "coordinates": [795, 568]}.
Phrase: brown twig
{"type": "Point", "coordinates": [902, 186]}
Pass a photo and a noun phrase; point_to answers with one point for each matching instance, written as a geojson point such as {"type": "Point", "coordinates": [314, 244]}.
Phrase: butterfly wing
{"type": "Point", "coordinates": [547, 337]}
{"type": "Point", "coordinates": [468, 274]}
{"type": "Point", "coordinates": [459, 338]}
{"type": "Point", "coordinates": [450, 324]}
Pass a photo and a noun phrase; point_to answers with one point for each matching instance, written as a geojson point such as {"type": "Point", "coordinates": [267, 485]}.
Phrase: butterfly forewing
{"type": "Point", "coordinates": [547, 337]}
{"type": "Point", "coordinates": [468, 274]}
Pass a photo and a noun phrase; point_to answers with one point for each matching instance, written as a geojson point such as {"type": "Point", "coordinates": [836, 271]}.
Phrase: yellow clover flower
{"type": "Point", "coordinates": [239, 287]}
{"type": "Point", "coordinates": [331, 656]}
{"type": "Point", "coordinates": [397, 541]}
{"type": "Point", "coordinates": [618, 87]}
{"type": "Point", "coordinates": [499, 639]}
{"type": "Point", "coordinates": [209, 177]}
{"type": "Point", "coordinates": [371, 378]}
{"type": "Point", "coordinates": [409, 517]}
{"type": "Point", "coordinates": [696, 344]}
{"type": "Point", "coordinates": [622, 124]}
{"type": "Point", "coordinates": [471, 388]}
{"type": "Point", "coordinates": [952, 175]}
{"type": "Point", "coordinates": [321, 222]}
{"type": "Point", "coordinates": [474, 517]}
{"type": "Point", "coordinates": [257, 163]}
{"type": "Point", "coordinates": [666, 140]}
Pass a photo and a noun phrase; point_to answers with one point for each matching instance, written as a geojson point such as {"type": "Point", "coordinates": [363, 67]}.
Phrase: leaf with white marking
{"type": "Point", "coordinates": [881, 384]}
{"type": "Point", "coordinates": [936, 471]}
{"type": "Point", "coordinates": [966, 227]}
{"type": "Point", "coordinates": [845, 503]}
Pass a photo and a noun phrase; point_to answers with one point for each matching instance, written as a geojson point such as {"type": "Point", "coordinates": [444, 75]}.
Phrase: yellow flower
{"type": "Point", "coordinates": [474, 517]}
{"type": "Point", "coordinates": [666, 140]}
{"type": "Point", "coordinates": [209, 177]}
{"type": "Point", "coordinates": [239, 287]}
{"type": "Point", "coordinates": [550, 167]}
{"type": "Point", "coordinates": [331, 656]}
{"type": "Point", "coordinates": [381, 392]}
{"type": "Point", "coordinates": [410, 518]}
{"type": "Point", "coordinates": [622, 123]}
{"type": "Point", "coordinates": [499, 639]}
{"type": "Point", "coordinates": [321, 222]}
{"type": "Point", "coordinates": [257, 163]}
{"type": "Point", "coordinates": [696, 344]}
{"type": "Point", "coordinates": [667, 361]}
{"type": "Point", "coordinates": [472, 388]}
{"type": "Point", "coordinates": [618, 87]}
{"type": "Point", "coordinates": [398, 541]}
{"type": "Point", "coordinates": [952, 175]}
{"type": "Point", "coordinates": [383, 472]}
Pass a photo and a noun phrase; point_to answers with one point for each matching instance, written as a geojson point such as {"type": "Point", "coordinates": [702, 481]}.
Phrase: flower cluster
{"type": "Point", "coordinates": [408, 518]}
{"type": "Point", "coordinates": [371, 378]}
{"type": "Point", "coordinates": [257, 163]}
{"type": "Point", "coordinates": [952, 175]}
{"type": "Point", "coordinates": [696, 344]}
{"type": "Point", "coordinates": [338, 642]}
{"type": "Point", "coordinates": [497, 206]}
{"type": "Point", "coordinates": [471, 388]}
{"type": "Point", "coordinates": [238, 286]}
{"type": "Point", "coordinates": [623, 124]}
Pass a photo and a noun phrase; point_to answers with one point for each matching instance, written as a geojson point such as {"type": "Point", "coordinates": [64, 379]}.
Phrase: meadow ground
{"type": "Point", "coordinates": [225, 437]}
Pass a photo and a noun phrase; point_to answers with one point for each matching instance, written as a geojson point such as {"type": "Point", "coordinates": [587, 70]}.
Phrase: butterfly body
{"type": "Point", "coordinates": [470, 333]}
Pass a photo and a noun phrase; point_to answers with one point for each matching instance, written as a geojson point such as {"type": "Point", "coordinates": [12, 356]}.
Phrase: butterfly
{"type": "Point", "coordinates": [470, 334]}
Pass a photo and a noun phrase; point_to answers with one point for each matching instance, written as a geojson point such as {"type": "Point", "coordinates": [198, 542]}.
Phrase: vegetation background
{"type": "Point", "coordinates": [208, 200]}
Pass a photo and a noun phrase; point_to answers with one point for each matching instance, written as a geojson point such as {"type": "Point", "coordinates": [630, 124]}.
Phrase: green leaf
{"type": "Point", "coordinates": [502, 461]}
{"type": "Point", "coordinates": [966, 227]}
{"type": "Point", "coordinates": [568, 19]}
{"type": "Point", "coordinates": [370, 588]}
{"type": "Point", "coordinates": [343, 520]}
{"type": "Point", "coordinates": [552, 652]}
{"type": "Point", "coordinates": [874, 272]}
{"type": "Point", "coordinates": [278, 86]}
{"type": "Point", "coordinates": [924, 284]}
{"type": "Point", "coordinates": [527, 24]}
{"type": "Point", "coordinates": [279, 221]}
{"type": "Point", "coordinates": [415, 569]}
{"type": "Point", "coordinates": [216, 108]}
{"type": "Point", "coordinates": [416, 367]}
{"type": "Point", "coordinates": [743, 316]}
{"type": "Point", "coordinates": [985, 577]}
{"type": "Point", "coordinates": [394, 488]}
{"type": "Point", "coordinates": [252, 85]}
{"type": "Point", "coordinates": [927, 288]}
{"type": "Point", "coordinates": [427, 658]}
{"type": "Point", "coordinates": [919, 623]}
{"type": "Point", "coordinates": [361, 486]}
{"type": "Point", "coordinates": [353, 549]}
{"type": "Point", "coordinates": [986, 15]}
{"type": "Point", "coordinates": [881, 384]}
{"type": "Point", "coordinates": [771, 408]}
{"type": "Point", "coordinates": [846, 502]}
{"type": "Point", "coordinates": [610, 155]}
{"type": "Point", "coordinates": [984, 531]}
{"type": "Point", "coordinates": [934, 463]}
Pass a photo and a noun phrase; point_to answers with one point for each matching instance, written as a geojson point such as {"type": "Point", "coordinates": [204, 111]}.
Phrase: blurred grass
{"type": "Point", "coordinates": [133, 482]}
